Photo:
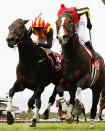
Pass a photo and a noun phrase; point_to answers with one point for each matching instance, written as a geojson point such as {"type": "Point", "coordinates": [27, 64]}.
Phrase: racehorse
{"type": "Point", "coordinates": [34, 70]}
{"type": "Point", "coordinates": [78, 68]}
{"type": "Point", "coordinates": [77, 110]}
{"type": "Point", "coordinates": [102, 104]}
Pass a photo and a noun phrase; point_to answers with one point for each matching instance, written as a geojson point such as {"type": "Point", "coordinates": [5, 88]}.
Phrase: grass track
{"type": "Point", "coordinates": [84, 126]}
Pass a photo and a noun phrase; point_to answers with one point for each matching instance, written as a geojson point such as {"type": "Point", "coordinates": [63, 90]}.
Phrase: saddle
{"type": "Point", "coordinates": [57, 58]}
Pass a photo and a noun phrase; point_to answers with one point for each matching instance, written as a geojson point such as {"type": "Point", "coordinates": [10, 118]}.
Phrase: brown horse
{"type": "Point", "coordinates": [77, 64]}
{"type": "Point", "coordinates": [34, 70]}
{"type": "Point", "coordinates": [77, 110]}
{"type": "Point", "coordinates": [102, 104]}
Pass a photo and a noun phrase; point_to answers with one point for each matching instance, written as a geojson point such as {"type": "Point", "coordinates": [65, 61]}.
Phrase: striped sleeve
{"type": "Point", "coordinates": [82, 11]}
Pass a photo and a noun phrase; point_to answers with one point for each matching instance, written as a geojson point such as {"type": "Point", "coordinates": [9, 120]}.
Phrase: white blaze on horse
{"type": "Point", "coordinates": [78, 68]}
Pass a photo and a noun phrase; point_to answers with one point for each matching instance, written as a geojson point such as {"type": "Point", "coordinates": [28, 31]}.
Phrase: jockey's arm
{"type": "Point", "coordinates": [82, 11]}
{"type": "Point", "coordinates": [49, 40]}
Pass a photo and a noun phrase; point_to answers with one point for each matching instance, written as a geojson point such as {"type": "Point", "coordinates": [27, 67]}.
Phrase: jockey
{"type": "Point", "coordinates": [80, 24]}
{"type": "Point", "coordinates": [44, 33]}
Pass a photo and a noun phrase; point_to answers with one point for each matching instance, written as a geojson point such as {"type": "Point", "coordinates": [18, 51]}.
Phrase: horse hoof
{"type": "Point", "coordinates": [10, 119]}
{"type": "Point", "coordinates": [46, 114]}
{"type": "Point", "coordinates": [33, 124]}
{"type": "Point", "coordinates": [69, 121]}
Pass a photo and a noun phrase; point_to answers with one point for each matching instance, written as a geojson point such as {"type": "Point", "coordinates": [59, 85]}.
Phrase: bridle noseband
{"type": "Point", "coordinates": [19, 36]}
{"type": "Point", "coordinates": [69, 35]}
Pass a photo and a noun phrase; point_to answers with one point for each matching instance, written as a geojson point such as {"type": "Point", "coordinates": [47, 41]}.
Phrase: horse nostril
{"type": "Point", "coordinates": [9, 39]}
{"type": "Point", "coordinates": [65, 36]}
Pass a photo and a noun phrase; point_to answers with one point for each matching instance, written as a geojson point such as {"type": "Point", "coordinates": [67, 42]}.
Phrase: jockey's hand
{"type": "Point", "coordinates": [89, 25]}
{"type": "Point", "coordinates": [35, 42]}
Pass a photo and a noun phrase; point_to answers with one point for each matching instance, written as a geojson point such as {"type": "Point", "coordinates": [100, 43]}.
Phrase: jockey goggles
{"type": "Point", "coordinates": [38, 29]}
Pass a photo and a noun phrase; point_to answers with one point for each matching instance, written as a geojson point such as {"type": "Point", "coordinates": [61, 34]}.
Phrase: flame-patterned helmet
{"type": "Point", "coordinates": [38, 22]}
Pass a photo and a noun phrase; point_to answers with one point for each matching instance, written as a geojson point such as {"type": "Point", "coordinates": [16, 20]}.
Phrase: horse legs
{"type": "Point", "coordinates": [83, 111]}
{"type": "Point", "coordinates": [36, 96]}
{"type": "Point", "coordinates": [31, 102]}
{"type": "Point", "coordinates": [36, 115]}
{"type": "Point", "coordinates": [100, 109]}
{"type": "Point", "coordinates": [77, 120]}
{"type": "Point", "coordinates": [51, 102]}
{"type": "Point", "coordinates": [96, 95]}
{"type": "Point", "coordinates": [17, 87]}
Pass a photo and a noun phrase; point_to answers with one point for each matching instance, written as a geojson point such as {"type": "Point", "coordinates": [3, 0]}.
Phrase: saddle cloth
{"type": "Point", "coordinates": [95, 65]}
{"type": "Point", "coordinates": [58, 60]}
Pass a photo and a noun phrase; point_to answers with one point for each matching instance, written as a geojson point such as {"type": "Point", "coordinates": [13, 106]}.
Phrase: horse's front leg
{"type": "Point", "coordinates": [36, 114]}
{"type": "Point", "coordinates": [37, 97]}
{"type": "Point", "coordinates": [31, 103]}
{"type": "Point", "coordinates": [96, 96]}
{"type": "Point", "coordinates": [17, 87]}
{"type": "Point", "coordinates": [50, 103]}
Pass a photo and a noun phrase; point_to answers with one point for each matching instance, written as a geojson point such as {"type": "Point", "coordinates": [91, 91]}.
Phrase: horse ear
{"type": "Point", "coordinates": [25, 21]}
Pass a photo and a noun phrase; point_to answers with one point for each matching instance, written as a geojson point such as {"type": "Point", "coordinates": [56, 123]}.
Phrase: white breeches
{"type": "Point", "coordinates": [81, 28]}
{"type": "Point", "coordinates": [45, 42]}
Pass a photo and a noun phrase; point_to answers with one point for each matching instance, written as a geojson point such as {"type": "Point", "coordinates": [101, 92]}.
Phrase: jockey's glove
{"type": "Point", "coordinates": [89, 25]}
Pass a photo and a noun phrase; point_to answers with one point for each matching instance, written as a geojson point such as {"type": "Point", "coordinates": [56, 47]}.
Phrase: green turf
{"type": "Point", "coordinates": [98, 126]}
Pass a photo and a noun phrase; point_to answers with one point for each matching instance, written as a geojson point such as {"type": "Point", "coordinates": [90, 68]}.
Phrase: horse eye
{"type": "Point", "coordinates": [21, 27]}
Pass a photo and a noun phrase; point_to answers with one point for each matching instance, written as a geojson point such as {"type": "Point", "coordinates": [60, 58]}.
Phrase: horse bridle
{"type": "Point", "coordinates": [19, 36]}
{"type": "Point", "coordinates": [69, 35]}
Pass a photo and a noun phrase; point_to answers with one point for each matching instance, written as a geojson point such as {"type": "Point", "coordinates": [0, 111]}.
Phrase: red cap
{"type": "Point", "coordinates": [63, 8]}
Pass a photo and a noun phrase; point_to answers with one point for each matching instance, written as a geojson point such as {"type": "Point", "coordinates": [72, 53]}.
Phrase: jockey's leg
{"type": "Point", "coordinates": [89, 45]}
{"type": "Point", "coordinates": [54, 60]}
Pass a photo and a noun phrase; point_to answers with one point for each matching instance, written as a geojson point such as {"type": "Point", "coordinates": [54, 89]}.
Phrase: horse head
{"type": "Point", "coordinates": [65, 27]}
{"type": "Point", "coordinates": [16, 32]}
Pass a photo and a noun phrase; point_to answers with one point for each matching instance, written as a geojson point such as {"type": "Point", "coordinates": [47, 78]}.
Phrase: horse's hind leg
{"type": "Point", "coordinates": [17, 87]}
{"type": "Point", "coordinates": [51, 102]}
{"type": "Point", "coordinates": [100, 109]}
{"type": "Point", "coordinates": [77, 120]}
{"type": "Point", "coordinates": [83, 111]}
{"type": "Point", "coordinates": [96, 95]}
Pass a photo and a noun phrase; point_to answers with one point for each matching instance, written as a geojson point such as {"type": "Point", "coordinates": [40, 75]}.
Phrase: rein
{"type": "Point", "coordinates": [20, 36]}
{"type": "Point", "coordinates": [69, 35]}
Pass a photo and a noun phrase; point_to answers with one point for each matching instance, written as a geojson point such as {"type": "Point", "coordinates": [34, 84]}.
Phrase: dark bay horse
{"type": "Point", "coordinates": [102, 103]}
{"type": "Point", "coordinates": [34, 70]}
{"type": "Point", "coordinates": [77, 64]}
{"type": "Point", "coordinates": [77, 110]}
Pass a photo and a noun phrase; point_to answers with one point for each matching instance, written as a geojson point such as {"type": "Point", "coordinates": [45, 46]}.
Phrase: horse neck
{"type": "Point", "coordinates": [26, 50]}
{"type": "Point", "coordinates": [71, 50]}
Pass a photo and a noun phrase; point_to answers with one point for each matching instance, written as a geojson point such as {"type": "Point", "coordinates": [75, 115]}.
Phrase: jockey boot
{"type": "Point", "coordinates": [89, 45]}
{"type": "Point", "coordinates": [54, 60]}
